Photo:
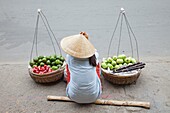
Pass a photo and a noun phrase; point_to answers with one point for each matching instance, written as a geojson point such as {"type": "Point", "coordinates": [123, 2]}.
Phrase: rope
{"type": "Point", "coordinates": [129, 35]}
{"type": "Point", "coordinates": [113, 34]}
{"type": "Point", "coordinates": [120, 35]}
{"type": "Point", "coordinates": [48, 28]}
{"type": "Point", "coordinates": [48, 33]}
{"type": "Point", "coordinates": [134, 38]}
{"type": "Point", "coordinates": [35, 38]}
{"type": "Point", "coordinates": [122, 15]}
{"type": "Point", "coordinates": [52, 32]}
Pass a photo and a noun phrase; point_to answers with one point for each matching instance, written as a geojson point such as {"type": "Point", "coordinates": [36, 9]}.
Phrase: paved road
{"type": "Point", "coordinates": [20, 94]}
{"type": "Point", "coordinates": [149, 19]}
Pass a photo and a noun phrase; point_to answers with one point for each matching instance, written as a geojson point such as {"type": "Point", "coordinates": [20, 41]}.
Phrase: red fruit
{"type": "Point", "coordinates": [50, 70]}
{"type": "Point", "coordinates": [36, 67]}
{"type": "Point", "coordinates": [45, 71]}
{"type": "Point", "coordinates": [39, 67]}
{"type": "Point", "coordinates": [42, 68]}
{"type": "Point", "coordinates": [34, 70]}
{"type": "Point", "coordinates": [45, 66]}
{"type": "Point", "coordinates": [37, 71]}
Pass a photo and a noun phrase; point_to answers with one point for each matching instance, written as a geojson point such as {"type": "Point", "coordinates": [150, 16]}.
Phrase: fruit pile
{"type": "Point", "coordinates": [46, 64]}
{"type": "Point", "coordinates": [115, 62]}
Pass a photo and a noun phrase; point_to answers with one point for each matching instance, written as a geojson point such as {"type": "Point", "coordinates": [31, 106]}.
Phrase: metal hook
{"type": "Point", "coordinates": [122, 10]}
{"type": "Point", "coordinates": [38, 10]}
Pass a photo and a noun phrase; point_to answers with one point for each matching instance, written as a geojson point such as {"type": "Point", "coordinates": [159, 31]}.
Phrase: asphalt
{"type": "Point", "coordinates": [150, 21]}
{"type": "Point", "coordinates": [20, 94]}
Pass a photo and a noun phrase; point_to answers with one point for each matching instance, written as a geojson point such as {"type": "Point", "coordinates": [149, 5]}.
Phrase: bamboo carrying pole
{"type": "Point", "coordinates": [104, 102]}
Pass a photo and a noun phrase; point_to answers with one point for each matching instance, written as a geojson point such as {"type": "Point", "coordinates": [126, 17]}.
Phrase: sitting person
{"type": "Point", "coordinates": [82, 69]}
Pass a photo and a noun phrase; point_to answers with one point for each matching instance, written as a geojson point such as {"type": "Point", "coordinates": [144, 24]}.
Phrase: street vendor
{"type": "Point", "coordinates": [82, 69]}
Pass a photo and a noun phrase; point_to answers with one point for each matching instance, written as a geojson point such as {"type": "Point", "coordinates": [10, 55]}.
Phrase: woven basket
{"type": "Point", "coordinates": [121, 79]}
{"type": "Point", "coordinates": [48, 77]}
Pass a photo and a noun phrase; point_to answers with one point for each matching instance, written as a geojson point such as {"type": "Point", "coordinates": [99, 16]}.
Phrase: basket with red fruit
{"type": "Point", "coordinates": [45, 69]}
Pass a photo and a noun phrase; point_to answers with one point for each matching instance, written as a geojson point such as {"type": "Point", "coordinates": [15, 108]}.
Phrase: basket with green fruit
{"type": "Point", "coordinates": [50, 68]}
{"type": "Point", "coordinates": [122, 69]}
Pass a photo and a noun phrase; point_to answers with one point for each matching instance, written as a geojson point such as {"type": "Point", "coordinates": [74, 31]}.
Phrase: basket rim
{"type": "Point", "coordinates": [129, 75]}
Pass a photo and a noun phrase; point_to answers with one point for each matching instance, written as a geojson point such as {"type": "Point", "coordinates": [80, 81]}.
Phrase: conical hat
{"type": "Point", "coordinates": [77, 46]}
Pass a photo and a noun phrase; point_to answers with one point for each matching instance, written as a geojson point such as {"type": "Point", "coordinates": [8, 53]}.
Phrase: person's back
{"type": "Point", "coordinates": [84, 85]}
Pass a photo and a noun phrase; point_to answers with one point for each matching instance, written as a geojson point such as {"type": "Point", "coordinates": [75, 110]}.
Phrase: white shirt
{"type": "Point", "coordinates": [84, 85]}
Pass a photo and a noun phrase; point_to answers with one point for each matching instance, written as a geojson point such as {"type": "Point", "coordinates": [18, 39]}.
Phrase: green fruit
{"type": "Point", "coordinates": [119, 61]}
{"type": "Point", "coordinates": [58, 57]}
{"type": "Point", "coordinates": [130, 64]}
{"type": "Point", "coordinates": [109, 60]}
{"type": "Point", "coordinates": [48, 57]}
{"type": "Point", "coordinates": [104, 65]}
{"type": "Point", "coordinates": [40, 57]}
{"type": "Point", "coordinates": [57, 61]}
{"type": "Point", "coordinates": [34, 66]}
{"type": "Point", "coordinates": [113, 63]}
{"type": "Point", "coordinates": [125, 64]}
{"type": "Point", "coordinates": [120, 65]}
{"type": "Point", "coordinates": [130, 58]}
{"type": "Point", "coordinates": [61, 62]}
{"type": "Point", "coordinates": [48, 62]}
{"type": "Point", "coordinates": [42, 64]}
{"type": "Point", "coordinates": [53, 63]}
{"type": "Point", "coordinates": [105, 61]}
{"type": "Point", "coordinates": [39, 61]}
{"type": "Point", "coordinates": [31, 63]}
{"type": "Point", "coordinates": [35, 59]}
{"type": "Point", "coordinates": [122, 56]}
{"type": "Point", "coordinates": [54, 67]}
{"type": "Point", "coordinates": [110, 66]}
{"type": "Point", "coordinates": [59, 65]}
{"type": "Point", "coordinates": [117, 67]}
{"type": "Point", "coordinates": [62, 58]}
{"type": "Point", "coordinates": [127, 60]}
{"type": "Point", "coordinates": [55, 56]}
{"type": "Point", "coordinates": [133, 60]}
{"type": "Point", "coordinates": [44, 59]}
{"type": "Point", "coordinates": [49, 65]}
{"type": "Point", "coordinates": [52, 59]}
{"type": "Point", "coordinates": [114, 58]}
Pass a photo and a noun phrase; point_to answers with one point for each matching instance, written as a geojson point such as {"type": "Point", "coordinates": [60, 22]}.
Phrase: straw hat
{"type": "Point", "coordinates": [78, 46]}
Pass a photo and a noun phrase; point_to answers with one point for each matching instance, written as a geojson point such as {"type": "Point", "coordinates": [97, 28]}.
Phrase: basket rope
{"type": "Point", "coordinates": [35, 39]}
{"type": "Point", "coordinates": [122, 16]}
{"type": "Point", "coordinates": [113, 34]}
{"type": "Point", "coordinates": [137, 50]}
{"type": "Point", "coordinates": [52, 32]}
{"type": "Point", "coordinates": [48, 28]}
{"type": "Point", "coordinates": [120, 35]}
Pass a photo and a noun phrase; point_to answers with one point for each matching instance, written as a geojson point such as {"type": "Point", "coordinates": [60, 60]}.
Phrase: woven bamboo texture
{"type": "Point", "coordinates": [48, 77]}
{"type": "Point", "coordinates": [120, 79]}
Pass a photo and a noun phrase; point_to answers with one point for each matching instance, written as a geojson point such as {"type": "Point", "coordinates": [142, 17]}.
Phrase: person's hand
{"type": "Point", "coordinates": [85, 34]}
